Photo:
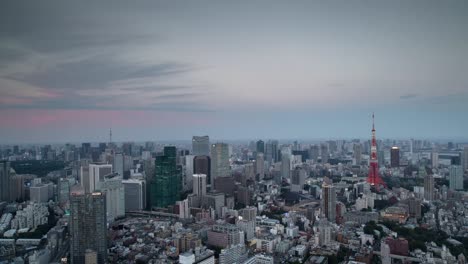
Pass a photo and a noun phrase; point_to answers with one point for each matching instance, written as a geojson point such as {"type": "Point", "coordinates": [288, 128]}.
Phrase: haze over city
{"type": "Point", "coordinates": [233, 70]}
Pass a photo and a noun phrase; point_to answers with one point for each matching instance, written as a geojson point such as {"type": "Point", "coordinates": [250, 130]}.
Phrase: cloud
{"type": "Point", "coordinates": [408, 96]}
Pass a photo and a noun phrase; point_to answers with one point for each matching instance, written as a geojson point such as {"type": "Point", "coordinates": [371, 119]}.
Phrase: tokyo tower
{"type": "Point", "coordinates": [374, 178]}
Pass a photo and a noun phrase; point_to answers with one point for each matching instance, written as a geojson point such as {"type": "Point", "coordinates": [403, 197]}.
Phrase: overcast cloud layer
{"type": "Point", "coordinates": [155, 70]}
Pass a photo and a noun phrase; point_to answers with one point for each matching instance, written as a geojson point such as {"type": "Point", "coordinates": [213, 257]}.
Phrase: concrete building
{"type": "Point", "coordinates": [285, 165]}
{"type": "Point", "coordinates": [220, 165]}
{"type": "Point", "coordinates": [395, 157]}
{"type": "Point", "coordinates": [201, 145]}
{"type": "Point", "coordinates": [119, 164]}
{"type": "Point", "coordinates": [225, 235]}
{"type": "Point", "coordinates": [456, 177]}
{"type": "Point", "coordinates": [357, 153]}
{"type": "Point", "coordinates": [115, 197]}
{"type": "Point", "coordinates": [260, 166]}
{"type": "Point", "coordinates": [4, 181]}
{"type": "Point", "coordinates": [329, 201]}
{"type": "Point", "coordinates": [233, 254]}
{"type": "Point", "coordinates": [92, 176]}
{"type": "Point", "coordinates": [135, 194]}
{"type": "Point", "coordinates": [298, 179]}
{"type": "Point", "coordinates": [41, 193]}
{"type": "Point", "coordinates": [88, 225]}
{"type": "Point", "coordinates": [202, 165]}
{"type": "Point", "coordinates": [199, 184]}
{"type": "Point", "coordinates": [429, 187]}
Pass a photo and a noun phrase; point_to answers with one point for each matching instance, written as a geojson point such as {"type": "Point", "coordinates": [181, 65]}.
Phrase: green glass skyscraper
{"type": "Point", "coordinates": [167, 181]}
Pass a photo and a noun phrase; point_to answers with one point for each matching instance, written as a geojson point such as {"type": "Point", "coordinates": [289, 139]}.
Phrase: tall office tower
{"type": "Point", "coordinates": [429, 187]}
{"type": "Point", "coordinates": [329, 201]}
{"type": "Point", "coordinates": [374, 178]}
{"type": "Point", "coordinates": [324, 154]}
{"type": "Point", "coordinates": [199, 184]}
{"type": "Point", "coordinates": [201, 146]}
{"type": "Point", "coordinates": [465, 158]}
{"type": "Point", "coordinates": [17, 190]}
{"type": "Point", "coordinates": [435, 159]}
{"type": "Point", "coordinates": [88, 224]}
{"type": "Point", "coordinates": [285, 166]}
{"type": "Point", "coordinates": [115, 197]}
{"type": "Point", "coordinates": [93, 175]}
{"type": "Point", "coordinates": [456, 177]}
{"type": "Point", "coordinates": [4, 181]}
{"type": "Point", "coordinates": [187, 175]}
{"type": "Point", "coordinates": [395, 157]}
{"type": "Point", "coordinates": [220, 166]}
{"type": "Point", "coordinates": [314, 152]}
{"type": "Point", "coordinates": [63, 190]}
{"type": "Point", "coordinates": [271, 151]}
{"type": "Point", "coordinates": [119, 164]}
{"type": "Point", "coordinates": [167, 183]}
{"type": "Point", "coordinates": [85, 150]}
{"type": "Point", "coordinates": [357, 154]}
{"type": "Point", "coordinates": [260, 166]}
{"type": "Point", "coordinates": [260, 146]}
{"type": "Point", "coordinates": [298, 179]}
{"type": "Point", "coordinates": [135, 196]}
{"type": "Point", "coordinates": [202, 165]}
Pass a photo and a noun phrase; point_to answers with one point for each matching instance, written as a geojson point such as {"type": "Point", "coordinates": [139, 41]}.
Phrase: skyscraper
{"type": "Point", "coordinates": [329, 201]}
{"type": "Point", "coordinates": [167, 183]}
{"type": "Point", "coordinates": [465, 158]}
{"type": "Point", "coordinates": [135, 198]}
{"type": "Point", "coordinates": [93, 175]}
{"type": "Point", "coordinates": [201, 145]}
{"type": "Point", "coordinates": [271, 151]}
{"type": "Point", "coordinates": [260, 166]}
{"type": "Point", "coordinates": [119, 164]}
{"type": "Point", "coordinates": [285, 165]}
{"type": "Point", "coordinates": [456, 177]}
{"type": "Point", "coordinates": [220, 166]}
{"type": "Point", "coordinates": [324, 154]}
{"type": "Point", "coordinates": [357, 148]}
{"type": "Point", "coordinates": [202, 165]}
{"type": "Point", "coordinates": [395, 157]}
{"type": "Point", "coordinates": [4, 181]}
{"type": "Point", "coordinates": [88, 225]}
{"type": "Point", "coordinates": [115, 197]}
{"type": "Point", "coordinates": [199, 184]}
{"type": "Point", "coordinates": [429, 187]}
{"type": "Point", "coordinates": [260, 146]}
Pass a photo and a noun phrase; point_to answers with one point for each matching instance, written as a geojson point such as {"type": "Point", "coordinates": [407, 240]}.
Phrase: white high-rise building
{"type": "Point", "coordinates": [456, 177]}
{"type": "Point", "coordinates": [115, 197]}
{"type": "Point", "coordinates": [199, 184]}
{"type": "Point", "coordinates": [93, 175]}
{"type": "Point", "coordinates": [220, 166]}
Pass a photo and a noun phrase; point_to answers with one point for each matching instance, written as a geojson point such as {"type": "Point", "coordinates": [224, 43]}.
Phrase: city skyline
{"type": "Point", "coordinates": [232, 70]}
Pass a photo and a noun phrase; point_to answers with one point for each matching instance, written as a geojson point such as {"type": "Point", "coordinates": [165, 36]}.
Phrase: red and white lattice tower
{"type": "Point", "coordinates": [374, 178]}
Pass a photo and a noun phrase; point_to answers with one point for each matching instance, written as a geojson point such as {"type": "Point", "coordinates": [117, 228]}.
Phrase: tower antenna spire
{"type": "Point", "coordinates": [373, 122]}
{"type": "Point", "coordinates": [110, 135]}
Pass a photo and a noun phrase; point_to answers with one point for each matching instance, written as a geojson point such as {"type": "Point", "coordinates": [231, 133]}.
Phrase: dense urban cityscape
{"type": "Point", "coordinates": [234, 132]}
{"type": "Point", "coordinates": [337, 201]}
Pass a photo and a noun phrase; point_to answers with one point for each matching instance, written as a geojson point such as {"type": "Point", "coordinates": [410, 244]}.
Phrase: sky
{"type": "Point", "coordinates": [162, 70]}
